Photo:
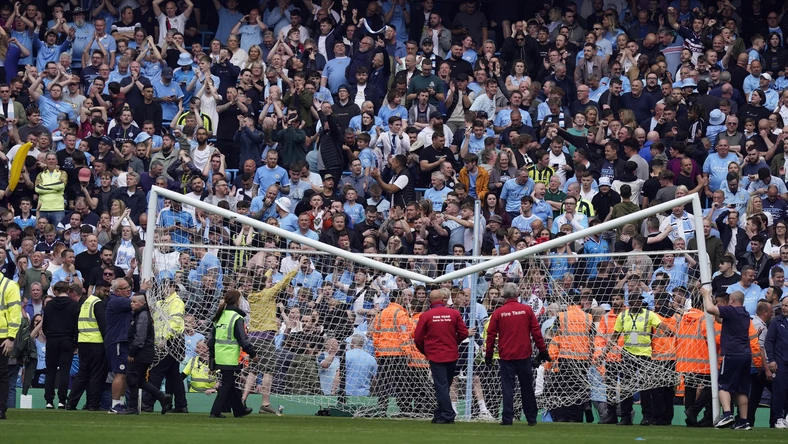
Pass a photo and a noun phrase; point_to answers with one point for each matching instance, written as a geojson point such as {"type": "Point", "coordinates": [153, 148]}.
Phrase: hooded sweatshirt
{"type": "Point", "coordinates": [60, 318]}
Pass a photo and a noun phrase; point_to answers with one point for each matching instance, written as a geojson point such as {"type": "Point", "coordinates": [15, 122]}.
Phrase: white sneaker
{"type": "Point", "coordinates": [50, 406]}
{"type": "Point", "coordinates": [486, 416]}
{"type": "Point", "coordinates": [61, 406]}
{"type": "Point", "coordinates": [781, 424]}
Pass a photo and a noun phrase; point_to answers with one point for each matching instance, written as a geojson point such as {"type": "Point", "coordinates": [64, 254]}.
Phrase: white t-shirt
{"type": "Point", "coordinates": [360, 95]}
{"type": "Point", "coordinates": [201, 157]}
{"type": "Point", "coordinates": [178, 22]}
{"type": "Point", "coordinates": [557, 163]}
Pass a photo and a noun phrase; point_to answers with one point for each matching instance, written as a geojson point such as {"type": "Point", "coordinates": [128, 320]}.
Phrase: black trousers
{"type": "Point", "coordinates": [630, 383]}
{"type": "Point", "coordinates": [511, 372]}
{"type": "Point", "coordinates": [571, 380]}
{"type": "Point", "coordinates": [758, 382]}
{"type": "Point", "coordinates": [91, 375]}
{"type": "Point", "coordinates": [779, 391]}
{"type": "Point", "coordinates": [419, 398]}
{"type": "Point", "coordinates": [60, 353]}
{"type": "Point", "coordinates": [662, 397]}
{"type": "Point", "coordinates": [168, 368]}
{"type": "Point", "coordinates": [442, 376]}
{"type": "Point", "coordinates": [391, 371]}
{"type": "Point", "coordinates": [4, 382]}
{"type": "Point", "coordinates": [694, 402]}
{"type": "Point", "coordinates": [137, 378]}
{"type": "Point", "coordinates": [228, 395]}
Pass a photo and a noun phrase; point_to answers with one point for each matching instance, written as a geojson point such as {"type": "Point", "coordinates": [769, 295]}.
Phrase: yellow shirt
{"type": "Point", "coordinates": [262, 311]}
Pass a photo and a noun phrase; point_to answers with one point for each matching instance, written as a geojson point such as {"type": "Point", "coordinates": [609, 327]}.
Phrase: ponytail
{"type": "Point", "coordinates": [231, 297]}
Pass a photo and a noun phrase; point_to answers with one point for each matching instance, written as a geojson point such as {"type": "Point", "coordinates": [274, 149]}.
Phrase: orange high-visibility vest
{"type": "Point", "coordinates": [415, 358]}
{"type": "Point", "coordinates": [755, 347]}
{"type": "Point", "coordinates": [604, 334]}
{"type": "Point", "coordinates": [390, 331]}
{"type": "Point", "coordinates": [692, 352]}
{"type": "Point", "coordinates": [574, 337]}
{"type": "Point", "coordinates": [663, 345]}
{"type": "Point", "coordinates": [681, 387]}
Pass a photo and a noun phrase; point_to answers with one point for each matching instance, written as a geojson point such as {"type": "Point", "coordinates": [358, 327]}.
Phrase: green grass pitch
{"type": "Point", "coordinates": [31, 426]}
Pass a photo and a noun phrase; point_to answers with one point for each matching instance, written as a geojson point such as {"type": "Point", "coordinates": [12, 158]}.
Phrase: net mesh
{"type": "Point", "coordinates": [326, 336]}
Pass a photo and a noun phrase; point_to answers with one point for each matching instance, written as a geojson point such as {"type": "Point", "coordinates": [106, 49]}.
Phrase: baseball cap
{"type": "Point", "coordinates": [604, 181]}
{"type": "Point", "coordinates": [427, 42]}
{"type": "Point", "coordinates": [767, 76]}
{"type": "Point", "coordinates": [715, 67]}
{"type": "Point", "coordinates": [106, 140]}
{"type": "Point", "coordinates": [77, 10]}
{"type": "Point", "coordinates": [84, 174]}
{"type": "Point", "coordinates": [166, 73]}
{"type": "Point", "coordinates": [328, 176]}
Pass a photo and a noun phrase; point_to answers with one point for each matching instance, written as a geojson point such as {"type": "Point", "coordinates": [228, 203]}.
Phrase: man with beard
{"type": "Point", "coordinates": [457, 63]}
{"type": "Point", "coordinates": [362, 57]}
{"type": "Point", "coordinates": [106, 271]}
{"type": "Point", "coordinates": [503, 116]}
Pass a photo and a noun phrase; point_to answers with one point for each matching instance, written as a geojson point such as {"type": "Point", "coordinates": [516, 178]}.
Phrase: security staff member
{"type": "Point", "coordinates": [663, 353]}
{"type": "Point", "coordinates": [574, 338]}
{"type": "Point", "coordinates": [390, 336]}
{"type": "Point", "coordinates": [198, 370]}
{"type": "Point", "coordinates": [90, 342]}
{"type": "Point", "coordinates": [514, 325]}
{"type": "Point", "coordinates": [169, 331]}
{"type": "Point", "coordinates": [439, 331]}
{"type": "Point", "coordinates": [228, 337]}
{"type": "Point", "coordinates": [636, 324]}
{"type": "Point", "coordinates": [692, 363]}
{"type": "Point", "coordinates": [612, 360]}
{"type": "Point", "coordinates": [10, 320]}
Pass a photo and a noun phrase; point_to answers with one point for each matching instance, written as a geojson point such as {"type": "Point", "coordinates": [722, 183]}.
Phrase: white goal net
{"type": "Point", "coordinates": [335, 329]}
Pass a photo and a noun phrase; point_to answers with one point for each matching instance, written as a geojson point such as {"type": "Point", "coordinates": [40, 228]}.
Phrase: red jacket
{"type": "Point", "coordinates": [514, 324]}
{"type": "Point", "coordinates": [438, 333]}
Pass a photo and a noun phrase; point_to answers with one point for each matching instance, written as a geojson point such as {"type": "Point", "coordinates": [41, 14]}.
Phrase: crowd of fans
{"type": "Point", "coordinates": [373, 127]}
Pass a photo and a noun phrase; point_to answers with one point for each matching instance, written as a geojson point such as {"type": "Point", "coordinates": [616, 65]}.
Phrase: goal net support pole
{"type": "Point", "coordinates": [705, 278]}
{"type": "Point", "coordinates": [477, 243]}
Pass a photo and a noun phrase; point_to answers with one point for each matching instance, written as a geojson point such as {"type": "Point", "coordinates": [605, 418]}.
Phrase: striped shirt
{"type": "Point", "coordinates": [540, 176]}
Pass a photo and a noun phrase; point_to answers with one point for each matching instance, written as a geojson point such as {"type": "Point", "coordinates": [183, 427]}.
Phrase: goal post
{"type": "Point", "coordinates": [409, 278]}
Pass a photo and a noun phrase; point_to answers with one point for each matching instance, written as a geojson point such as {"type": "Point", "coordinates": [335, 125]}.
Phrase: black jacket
{"type": "Point", "coordinates": [726, 234]}
{"type": "Point", "coordinates": [331, 141]}
{"type": "Point", "coordinates": [141, 336]}
{"type": "Point", "coordinates": [371, 93]}
{"type": "Point", "coordinates": [60, 319]}
{"type": "Point", "coordinates": [137, 202]}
